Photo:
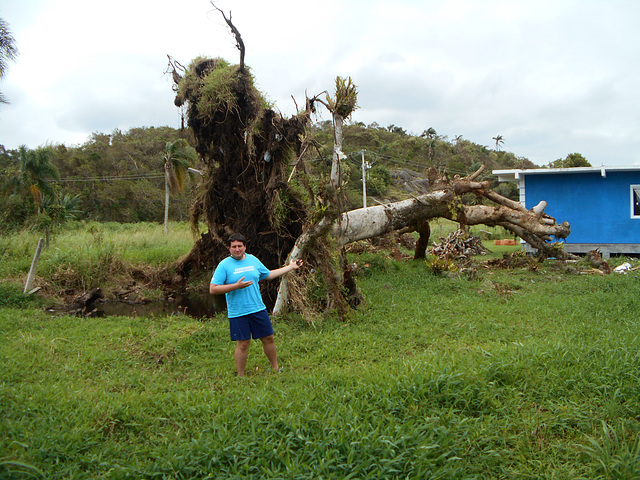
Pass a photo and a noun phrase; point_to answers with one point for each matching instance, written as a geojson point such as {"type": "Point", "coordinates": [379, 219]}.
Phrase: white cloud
{"type": "Point", "coordinates": [551, 77]}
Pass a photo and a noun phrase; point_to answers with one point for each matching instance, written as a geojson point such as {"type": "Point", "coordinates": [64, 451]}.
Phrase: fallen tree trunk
{"type": "Point", "coordinates": [534, 226]}
{"type": "Point", "coordinates": [381, 219]}
{"type": "Point", "coordinates": [378, 220]}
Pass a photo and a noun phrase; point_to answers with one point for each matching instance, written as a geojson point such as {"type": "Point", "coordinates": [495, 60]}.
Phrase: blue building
{"type": "Point", "coordinates": [602, 204]}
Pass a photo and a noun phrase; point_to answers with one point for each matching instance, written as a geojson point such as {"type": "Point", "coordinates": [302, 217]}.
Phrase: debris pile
{"type": "Point", "coordinates": [517, 259]}
{"type": "Point", "coordinates": [597, 263]}
{"type": "Point", "coordinates": [458, 244]}
{"type": "Point", "coordinates": [85, 305]}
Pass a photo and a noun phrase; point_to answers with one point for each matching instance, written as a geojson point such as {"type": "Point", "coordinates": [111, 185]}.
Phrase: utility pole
{"type": "Point", "coordinates": [365, 166]}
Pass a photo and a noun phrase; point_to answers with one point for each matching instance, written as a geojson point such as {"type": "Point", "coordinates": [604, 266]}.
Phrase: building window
{"type": "Point", "coordinates": [635, 201]}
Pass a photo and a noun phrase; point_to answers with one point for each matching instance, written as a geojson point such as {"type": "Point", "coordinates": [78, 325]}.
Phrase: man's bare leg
{"type": "Point", "coordinates": [269, 347]}
{"type": "Point", "coordinates": [240, 355]}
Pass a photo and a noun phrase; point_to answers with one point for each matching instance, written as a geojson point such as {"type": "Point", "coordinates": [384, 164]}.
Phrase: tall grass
{"type": "Point", "coordinates": [87, 255]}
{"type": "Point", "coordinates": [513, 374]}
{"type": "Point", "coordinates": [88, 250]}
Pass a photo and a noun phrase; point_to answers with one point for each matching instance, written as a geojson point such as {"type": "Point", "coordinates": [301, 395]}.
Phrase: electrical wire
{"type": "Point", "coordinates": [108, 178]}
{"type": "Point", "coordinates": [382, 157]}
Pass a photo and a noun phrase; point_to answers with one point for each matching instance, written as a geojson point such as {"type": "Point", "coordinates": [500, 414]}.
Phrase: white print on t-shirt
{"type": "Point", "coordinates": [250, 268]}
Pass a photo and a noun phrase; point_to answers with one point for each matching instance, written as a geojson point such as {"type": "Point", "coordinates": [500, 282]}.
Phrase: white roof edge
{"type": "Point", "coordinates": [516, 173]}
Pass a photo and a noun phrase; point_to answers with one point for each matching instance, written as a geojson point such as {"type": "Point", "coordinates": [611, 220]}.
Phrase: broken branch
{"type": "Point", "coordinates": [236, 33]}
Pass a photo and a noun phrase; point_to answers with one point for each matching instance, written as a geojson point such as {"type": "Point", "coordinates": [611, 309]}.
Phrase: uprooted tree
{"type": "Point", "coordinates": [257, 181]}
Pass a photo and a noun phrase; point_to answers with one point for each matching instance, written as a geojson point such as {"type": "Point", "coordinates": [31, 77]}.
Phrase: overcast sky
{"type": "Point", "coordinates": [552, 77]}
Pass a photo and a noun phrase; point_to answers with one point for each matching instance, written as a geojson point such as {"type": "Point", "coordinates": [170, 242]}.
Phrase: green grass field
{"type": "Point", "coordinates": [520, 373]}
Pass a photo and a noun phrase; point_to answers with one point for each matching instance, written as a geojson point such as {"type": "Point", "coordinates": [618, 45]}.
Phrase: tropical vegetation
{"type": "Point", "coordinates": [114, 177]}
{"type": "Point", "coordinates": [570, 161]}
{"type": "Point", "coordinates": [121, 176]}
{"type": "Point", "coordinates": [178, 157]}
{"type": "Point", "coordinates": [8, 51]}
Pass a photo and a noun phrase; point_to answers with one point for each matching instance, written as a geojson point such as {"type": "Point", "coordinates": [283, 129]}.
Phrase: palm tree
{"type": "Point", "coordinates": [177, 157]}
{"type": "Point", "coordinates": [429, 133]}
{"type": "Point", "coordinates": [431, 145]}
{"type": "Point", "coordinates": [499, 141]}
{"type": "Point", "coordinates": [62, 207]}
{"type": "Point", "coordinates": [341, 107]}
{"type": "Point", "coordinates": [8, 50]}
{"type": "Point", "coordinates": [35, 171]}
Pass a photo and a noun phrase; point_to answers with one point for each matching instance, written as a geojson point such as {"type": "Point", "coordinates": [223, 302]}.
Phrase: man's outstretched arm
{"type": "Point", "coordinates": [278, 272]}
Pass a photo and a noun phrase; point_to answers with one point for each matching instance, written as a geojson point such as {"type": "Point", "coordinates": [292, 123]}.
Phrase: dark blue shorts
{"type": "Point", "coordinates": [254, 325]}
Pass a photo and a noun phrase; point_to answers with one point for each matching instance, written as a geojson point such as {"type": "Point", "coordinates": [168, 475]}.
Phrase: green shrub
{"type": "Point", "coordinates": [12, 296]}
{"type": "Point", "coordinates": [378, 180]}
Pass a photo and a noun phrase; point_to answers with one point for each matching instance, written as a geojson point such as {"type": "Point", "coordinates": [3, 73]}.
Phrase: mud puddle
{"type": "Point", "coordinates": [193, 305]}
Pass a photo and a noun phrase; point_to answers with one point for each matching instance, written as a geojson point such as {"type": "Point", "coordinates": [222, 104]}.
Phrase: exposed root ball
{"type": "Point", "coordinates": [245, 147]}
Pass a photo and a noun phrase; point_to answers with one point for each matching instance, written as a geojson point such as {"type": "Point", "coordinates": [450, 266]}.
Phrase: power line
{"type": "Point", "coordinates": [108, 178]}
{"type": "Point", "coordinates": [379, 156]}
{"type": "Point", "coordinates": [405, 162]}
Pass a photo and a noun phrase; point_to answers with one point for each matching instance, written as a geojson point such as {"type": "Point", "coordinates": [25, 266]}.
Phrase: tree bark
{"type": "Point", "coordinates": [338, 122]}
{"type": "Point", "coordinates": [378, 220]}
{"type": "Point", "coordinates": [166, 197]}
{"type": "Point", "coordinates": [236, 34]}
{"type": "Point", "coordinates": [381, 219]}
{"type": "Point", "coordinates": [424, 231]}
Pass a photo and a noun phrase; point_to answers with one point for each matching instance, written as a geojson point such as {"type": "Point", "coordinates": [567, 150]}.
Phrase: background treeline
{"type": "Point", "coordinates": [120, 176]}
{"type": "Point", "coordinates": [112, 177]}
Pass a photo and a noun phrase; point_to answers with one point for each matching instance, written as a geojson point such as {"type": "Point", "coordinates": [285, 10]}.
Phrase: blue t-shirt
{"type": "Point", "coordinates": [244, 300]}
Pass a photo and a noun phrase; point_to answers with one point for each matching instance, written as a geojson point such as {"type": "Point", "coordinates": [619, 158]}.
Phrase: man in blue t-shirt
{"type": "Point", "coordinates": [237, 276]}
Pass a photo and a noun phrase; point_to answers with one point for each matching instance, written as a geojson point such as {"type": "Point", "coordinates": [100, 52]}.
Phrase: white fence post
{"type": "Point", "coordinates": [34, 264]}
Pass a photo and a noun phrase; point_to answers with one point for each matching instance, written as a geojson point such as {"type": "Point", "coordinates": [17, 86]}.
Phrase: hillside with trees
{"type": "Point", "coordinates": [119, 176]}
{"type": "Point", "coordinates": [112, 177]}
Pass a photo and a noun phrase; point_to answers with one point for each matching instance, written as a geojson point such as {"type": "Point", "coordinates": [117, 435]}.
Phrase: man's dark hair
{"type": "Point", "coordinates": [236, 237]}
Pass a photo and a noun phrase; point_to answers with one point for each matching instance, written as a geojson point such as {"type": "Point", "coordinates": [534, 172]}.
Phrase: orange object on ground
{"type": "Point", "coordinates": [507, 241]}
